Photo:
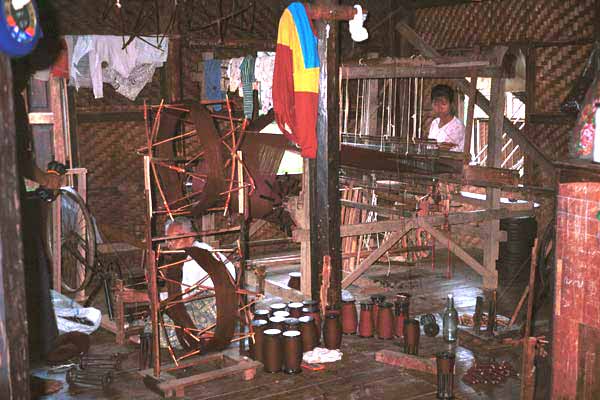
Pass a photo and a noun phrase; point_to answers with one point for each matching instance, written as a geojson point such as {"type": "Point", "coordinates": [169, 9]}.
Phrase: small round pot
{"type": "Point", "coordinates": [310, 337]}
{"type": "Point", "coordinates": [284, 314]}
{"type": "Point", "coordinates": [272, 350]}
{"type": "Point", "coordinates": [332, 332]}
{"type": "Point", "coordinates": [292, 352]}
{"type": "Point", "coordinates": [256, 347]}
{"type": "Point", "coordinates": [365, 326]}
{"type": "Point", "coordinates": [385, 321]}
{"type": "Point", "coordinates": [412, 333]}
{"type": "Point", "coordinates": [349, 317]}
{"type": "Point", "coordinates": [277, 307]}
{"type": "Point", "coordinates": [262, 314]}
{"type": "Point", "coordinates": [376, 299]}
{"type": "Point", "coordinates": [276, 323]}
{"type": "Point", "coordinates": [294, 280]}
{"type": "Point", "coordinates": [291, 324]}
{"type": "Point", "coordinates": [295, 309]}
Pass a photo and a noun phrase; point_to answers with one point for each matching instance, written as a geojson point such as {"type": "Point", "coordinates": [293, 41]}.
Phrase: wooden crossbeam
{"type": "Point", "coordinates": [455, 248]}
{"type": "Point", "coordinates": [301, 235]}
{"type": "Point", "coordinates": [374, 256]}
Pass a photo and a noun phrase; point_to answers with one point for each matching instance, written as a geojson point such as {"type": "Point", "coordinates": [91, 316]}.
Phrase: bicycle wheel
{"type": "Point", "coordinates": [78, 241]}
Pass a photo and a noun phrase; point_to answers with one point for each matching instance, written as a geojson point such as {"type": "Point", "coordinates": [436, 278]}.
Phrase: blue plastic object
{"type": "Point", "coordinates": [19, 30]}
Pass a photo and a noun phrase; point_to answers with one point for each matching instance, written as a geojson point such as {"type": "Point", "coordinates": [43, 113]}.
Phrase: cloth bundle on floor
{"type": "Point", "coordinates": [296, 79]}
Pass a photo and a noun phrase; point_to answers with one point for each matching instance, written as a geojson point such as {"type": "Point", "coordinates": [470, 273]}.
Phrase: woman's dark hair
{"type": "Point", "coordinates": [442, 91]}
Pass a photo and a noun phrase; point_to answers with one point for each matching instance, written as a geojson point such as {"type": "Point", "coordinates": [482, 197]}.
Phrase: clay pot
{"type": "Point", "coordinates": [295, 309]}
{"type": "Point", "coordinates": [349, 317]}
{"type": "Point", "coordinates": [276, 323]}
{"type": "Point", "coordinates": [311, 308]}
{"type": "Point", "coordinates": [430, 326]}
{"type": "Point", "coordinates": [294, 281]}
{"type": "Point", "coordinates": [291, 324]}
{"type": "Point", "coordinates": [284, 314]}
{"type": "Point", "coordinates": [401, 312]}
{"type": "Point", "coordinates": [272, 350]}
{"type": "Point", "coordinates": [277, 307]}
{"type": "Point", "coordinates": [262, 314]}
{"type": "Point", "coordinates": [365, 326]}
{"type": "Point", "coordinates": [376, 299]}
{"type": "Point", "coordinates": [332, 331]}
{"type": "Point", "coordinates": [385, 321]}
{"type": "Point", "coordinates": [256, 348]}
{"type": "Point", "coordinates": [412, 333]}
{"type": "Point", "coordinates": [445, 374]}
{"type": "Point", "coordinates": [292, 352]}
{"type": "Point", "coordinates": [310, 337]}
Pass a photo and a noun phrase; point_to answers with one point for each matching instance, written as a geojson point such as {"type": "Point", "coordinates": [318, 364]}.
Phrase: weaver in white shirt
{"type": "Point", "coordinates": [446, 127]}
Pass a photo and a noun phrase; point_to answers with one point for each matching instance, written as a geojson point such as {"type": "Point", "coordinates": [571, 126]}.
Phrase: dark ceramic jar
{"type": "Point", "coordinates": [256, 347]}
{"type": "Point", "coordinates": [376, 299]}
{"type": "Point", "coordinates": [310, 337]}
{"type": "Point", "coordinates": [349, 317]}
{"type": "Point", "coordinates": [365, 326]}
{"type": "Point", "coordinates": [412, 333]}
{"type": "Point", "coordinates": [291, 324]}
{"type": "Point", "coordinates": [262, 314]}
{"type": "Point", "coordinates": [332, 331]}
{"type": "Point", "coordinates": [294, 280]}
{"type": "Point", "coordinates": [295, 309]}
{"type": "Point", "coordinates": [277, 307]}
{"type": "Point", "coordinates": [292, 352]}
{"type": "Point", "coordinates": [272, 350]}
{"type": "Point", "coordinates": [385, 321]}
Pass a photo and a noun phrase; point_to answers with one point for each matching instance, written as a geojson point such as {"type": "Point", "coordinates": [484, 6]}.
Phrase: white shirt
{"type": "Point", "coordinates": [193, 273]}
{"type": "Point", "coordinates": [453, 132]}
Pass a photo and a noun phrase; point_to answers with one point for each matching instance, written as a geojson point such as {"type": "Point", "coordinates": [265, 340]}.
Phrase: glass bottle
{"type": "Point", "coordinates": [450, 321]}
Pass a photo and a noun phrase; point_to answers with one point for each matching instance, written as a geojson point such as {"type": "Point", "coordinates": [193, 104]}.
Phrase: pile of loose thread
{"type": "Point", "coordinates": [489, 373]}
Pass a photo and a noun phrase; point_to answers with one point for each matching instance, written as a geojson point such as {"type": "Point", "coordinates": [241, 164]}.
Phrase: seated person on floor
{"type": "Point", "coordinates": [203, 311]}
{"type": "Point", "coordinates": [446, 127]}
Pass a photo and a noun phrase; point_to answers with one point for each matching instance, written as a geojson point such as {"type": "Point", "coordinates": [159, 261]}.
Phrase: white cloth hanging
{"type": "Point", "coordinates": [263, 73]}
{"type": "Point", "coordinates": [100, 59]}
{"type": "Point", "coordinates": [234, 75]}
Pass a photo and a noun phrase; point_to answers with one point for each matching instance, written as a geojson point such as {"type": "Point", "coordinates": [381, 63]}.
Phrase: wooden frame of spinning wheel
{"type": "Point", "coordinates": [157, 192]}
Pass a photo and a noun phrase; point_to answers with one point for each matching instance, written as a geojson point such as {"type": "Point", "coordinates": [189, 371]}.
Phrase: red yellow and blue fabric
{"type": "Point", "coordinates": [296, 79]}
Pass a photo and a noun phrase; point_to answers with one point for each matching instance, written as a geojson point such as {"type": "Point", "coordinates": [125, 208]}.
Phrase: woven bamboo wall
{"type": "Point", "coordinates": [559, 32]}
{"type": "Point", "coordinates": [107, 150]}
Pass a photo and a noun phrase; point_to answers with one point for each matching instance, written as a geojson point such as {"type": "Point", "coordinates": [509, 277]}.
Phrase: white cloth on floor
{"type": "Point", "coordinates": [320, 355]}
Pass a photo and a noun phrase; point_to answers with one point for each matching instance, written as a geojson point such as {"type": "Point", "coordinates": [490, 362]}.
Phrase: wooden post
{"type": "Point", "coordinates": [325, 215]}
{"type": "Point", "coordinates": [305, 258]}
{"type": "Point", "coordinates": [490, 250]}
{"type": "Point", "coordinates": [528, 369]}
{"type": "Point", "coordinates": [14, 368]}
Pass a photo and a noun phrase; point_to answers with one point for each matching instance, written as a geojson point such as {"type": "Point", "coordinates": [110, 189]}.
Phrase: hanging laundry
{"type": "Point", "coordinates": [263, 72]}
{"type": "Point", "coordinates": [296, 79]}
{"type": "Point", "coordinates": [247, 72]}
{"type": "Point", "coordinates": [212, 82]}
{"type": "Point", "coordinates": [234, 75]}
{"type": "Point", "coordinates": [97, 59]}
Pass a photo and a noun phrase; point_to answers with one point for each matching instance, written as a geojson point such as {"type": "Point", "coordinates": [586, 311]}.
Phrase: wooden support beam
{"type": "Point", "coordinates": [528, 369]}
{"type": "Point", "coordinates": [494, 159]}
{"type": "Point", "coordinates": [325, 215]}
{"type": "Point", "coordinates": [512, 131]}
{"type": "Point", "coordinates": [374, 256]}
{"type": "Point", "coordinates": [400, 69]}
{"type": "Point", "coordinates": [467, 217]}
{"type": "Point", "coordinates": [14, 366]}
{"type": "Point", "coordinates": [368, 207]}
{"type": "Point", "coordinates": [455, 248]}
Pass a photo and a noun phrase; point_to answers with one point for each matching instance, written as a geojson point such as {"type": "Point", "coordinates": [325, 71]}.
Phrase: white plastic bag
{"type": "Point", "coordinates": [71, 316]}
